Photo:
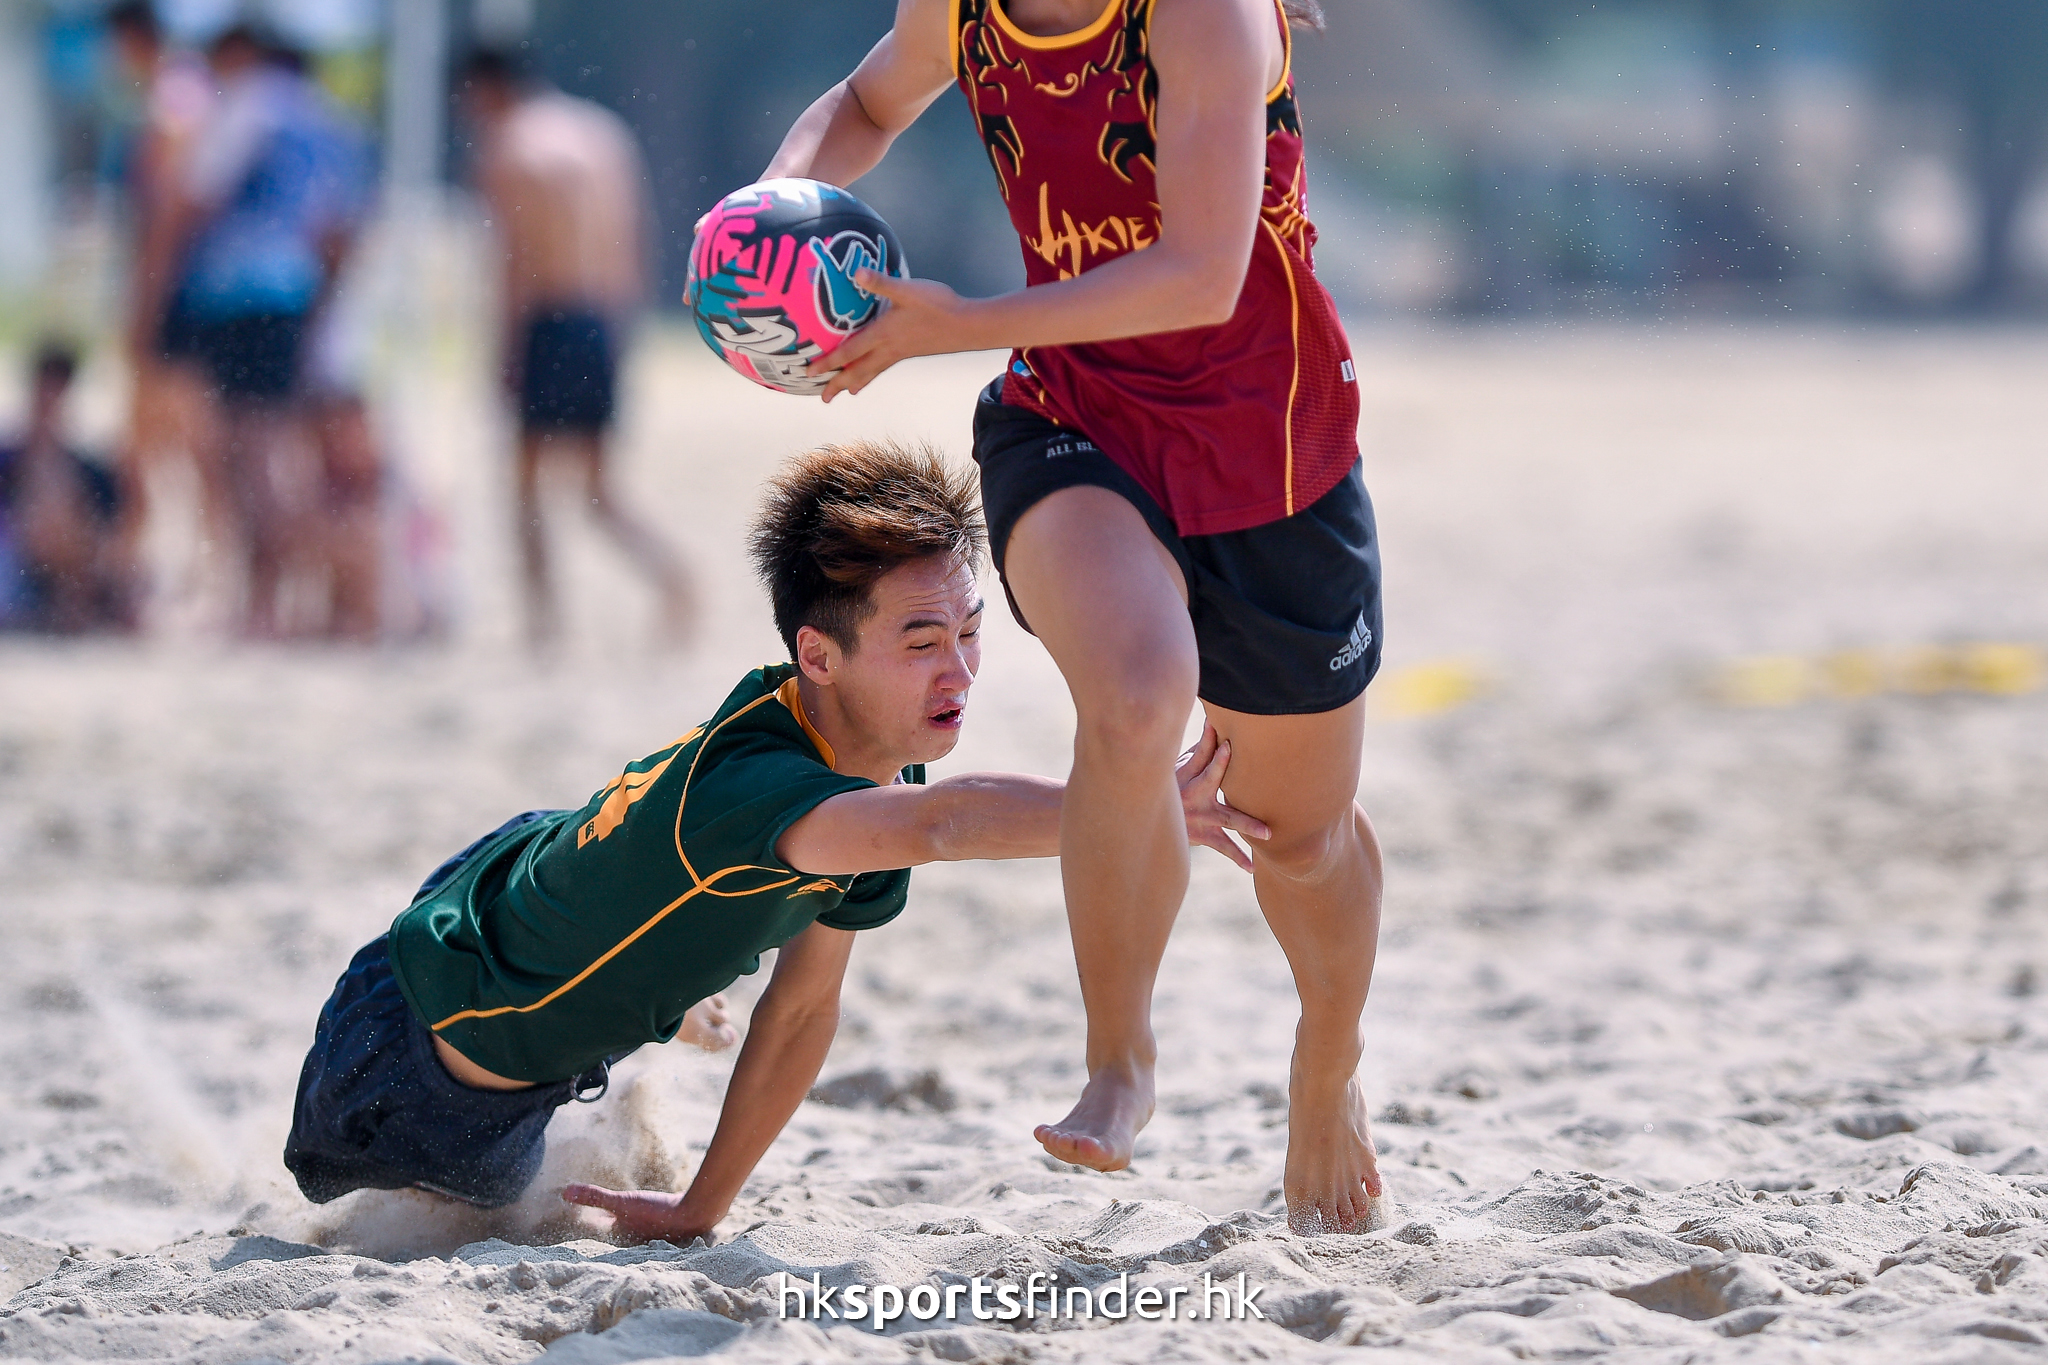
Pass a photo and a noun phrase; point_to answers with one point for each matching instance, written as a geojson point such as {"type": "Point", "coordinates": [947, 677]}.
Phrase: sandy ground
{"type": "Point", "coordinates": [1702, 1031]}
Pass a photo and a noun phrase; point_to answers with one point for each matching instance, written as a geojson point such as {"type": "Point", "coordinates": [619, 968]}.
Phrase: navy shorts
{"type": "Point", "coordinates": [1286, 615]}
{"type": "Point", "coordinates": [254, 359]}
{"type": "Point", "coordinates": [569, 372]}
{"type": "Point", "coordinates": [377, 1110]}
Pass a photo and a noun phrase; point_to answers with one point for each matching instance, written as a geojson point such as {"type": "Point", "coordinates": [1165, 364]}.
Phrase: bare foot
{"type": "Point", "coordinates": [707, 1026]}
{"type": "Point", "coordinates": [1101, 1129]}
{"type": "Point", "coordinates": [1333, 1178]}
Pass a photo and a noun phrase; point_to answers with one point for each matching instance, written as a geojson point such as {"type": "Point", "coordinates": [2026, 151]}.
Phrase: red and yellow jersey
{"type": "Point", "coordinates": [1230, 426]}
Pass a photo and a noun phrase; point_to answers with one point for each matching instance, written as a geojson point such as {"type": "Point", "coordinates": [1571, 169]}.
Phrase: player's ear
{"type": "Point", "coordinates": [817, 654]}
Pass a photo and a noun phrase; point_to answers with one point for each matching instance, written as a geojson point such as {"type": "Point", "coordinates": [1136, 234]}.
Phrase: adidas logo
{"type": "Point", "coordinates": [1354, 648]}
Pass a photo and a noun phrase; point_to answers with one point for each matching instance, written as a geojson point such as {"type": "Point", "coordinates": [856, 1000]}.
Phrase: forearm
{"type": "Point", "coordinates": [777, 1066]}
{"type": "Point", "coordinates": [995, 815]}
{"type": "Point", "coordinates": [1159, 289]}
{"type": "Point", "coordinates": [834, 141]}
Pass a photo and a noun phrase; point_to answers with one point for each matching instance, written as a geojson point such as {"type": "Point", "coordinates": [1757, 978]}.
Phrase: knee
{"type": "Point", "coordinates": [1320, 847]}
{"type": "Point", "coordinates": [1142, 710]}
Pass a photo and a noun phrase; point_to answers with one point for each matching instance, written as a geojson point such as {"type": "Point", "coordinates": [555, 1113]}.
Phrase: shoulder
{"type": "Point", "coordinates": [757, 716]}
{"type": "Point", "coordinates": [1198, 21]}
{"type": "Point", "coordinates": [924, 29]}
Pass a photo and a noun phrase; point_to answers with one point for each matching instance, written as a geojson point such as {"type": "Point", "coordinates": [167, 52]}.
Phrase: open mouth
{"type": "Point", "coordinates": [948, 717]}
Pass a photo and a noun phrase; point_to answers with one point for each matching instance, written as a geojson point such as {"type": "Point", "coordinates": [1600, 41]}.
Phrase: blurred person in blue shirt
{"type": "Point", "coordinates": [62, 566]}
{"type": "Point", "coordinates": [269, 199]}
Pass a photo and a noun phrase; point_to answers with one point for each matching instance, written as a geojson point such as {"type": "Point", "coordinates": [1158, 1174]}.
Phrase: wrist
{"type": "Point", "coordinates": [976, 325]}
{"type": "Point", "coordinates": [703, 1205]}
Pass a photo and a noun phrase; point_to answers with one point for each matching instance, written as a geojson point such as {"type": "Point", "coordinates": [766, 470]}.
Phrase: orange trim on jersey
{"type": "Point", "coordinates": [1286, 53]}
{"type": "Point", "coordinates": [701, 886]}
{"type": "Point", "coordinates": [960, 50]}
{"type": "Point", "coordinates": [1057, 41]}
{"type": "Point", "coordinates": [618, 802]}
{"type": "Point", "coordinates": [1294, 332]}
{"type": "Point", "coordinates": [573, 982]}
{"type": "Point", "coordinates": [792, 697]}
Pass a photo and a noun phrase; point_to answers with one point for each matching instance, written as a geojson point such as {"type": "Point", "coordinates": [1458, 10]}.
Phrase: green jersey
{"type": "Point", "coordinates": [585, 933]}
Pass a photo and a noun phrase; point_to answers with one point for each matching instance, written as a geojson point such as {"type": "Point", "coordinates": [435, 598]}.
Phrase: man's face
{"type": "Point", "coordinates": [905, 688]}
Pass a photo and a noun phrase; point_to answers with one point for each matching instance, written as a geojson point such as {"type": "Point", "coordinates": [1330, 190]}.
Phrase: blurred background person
{"type": "Point", "coordinates": [259, 222]}
{"type": "Point", "coordinates": [63, 566]}
{"type": "Point", "coordinates": [343, 535]}
{"type": "Point", "coordinates": [561, 178]}
{"type": "Point", "coordinates": [170, 412]}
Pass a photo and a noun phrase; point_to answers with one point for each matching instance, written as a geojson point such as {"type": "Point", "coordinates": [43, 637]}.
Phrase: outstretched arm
{"type": "Point", "coordinates": [989, 815]}
{"type": "Point", "coordinates": [786, 1044]}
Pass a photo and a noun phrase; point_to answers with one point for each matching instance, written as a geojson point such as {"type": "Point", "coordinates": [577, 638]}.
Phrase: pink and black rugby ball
{"type": "Point", "coordinates": [771, 277]}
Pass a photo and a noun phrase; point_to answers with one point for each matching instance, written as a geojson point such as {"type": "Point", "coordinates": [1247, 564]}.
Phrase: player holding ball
{"type": "Point", "coordinates": [1170, 470]}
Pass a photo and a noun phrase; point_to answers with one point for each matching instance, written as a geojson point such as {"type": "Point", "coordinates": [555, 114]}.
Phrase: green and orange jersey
{"type": "Point", "coordinates": [585, 933]}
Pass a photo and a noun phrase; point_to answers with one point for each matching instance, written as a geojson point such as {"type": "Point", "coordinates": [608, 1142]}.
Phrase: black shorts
{"type": "Point", "coordinates": [177, 339]}
{"type": "Point", "coordinates": [1286, 615]}
{"type": "Point", "coordinates": [569, 372]}
{"type": "Point", "coordinates": [377, 1110]}
{"type": "Point", "coordinates": [252, 358]}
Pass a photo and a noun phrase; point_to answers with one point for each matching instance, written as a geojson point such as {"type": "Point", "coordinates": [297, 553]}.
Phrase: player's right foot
{"type": "Point", "coordinates": [1102, 1128]}
{"type": "Point", "coordinates": [707, 1025]}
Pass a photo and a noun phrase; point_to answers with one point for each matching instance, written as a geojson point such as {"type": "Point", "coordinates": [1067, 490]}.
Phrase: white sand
{"type": "Point", "coordinates": [1700, 1033]}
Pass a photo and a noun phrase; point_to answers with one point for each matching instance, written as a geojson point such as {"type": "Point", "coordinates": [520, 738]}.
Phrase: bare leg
{"type": "Point", "coordinates": [1110, 604]}
{"type": "Point", "coordinates": [542, 622]}
{"type": "Point", "coordinates": [252, 433]}
{"type": "Point", "coordinates": [648, 551]}
{"type": "Point", "coordinates": [352, 536]}
{"type": "Point", "coordinates": [1318, 881]}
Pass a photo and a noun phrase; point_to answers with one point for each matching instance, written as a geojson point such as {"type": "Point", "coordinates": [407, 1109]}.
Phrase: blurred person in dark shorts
{"type": "Point", "coordinates": [561, 177]}
{"type": "Point", "coordinates": [257, 205]}
{"type": "Point", "coordinates": [63, 566]}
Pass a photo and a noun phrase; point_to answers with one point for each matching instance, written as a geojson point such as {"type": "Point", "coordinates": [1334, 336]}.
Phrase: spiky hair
{"type": "Point", "coordinates": [1303, 13]}
{"type": "Point", "coordinates": [838, 518]}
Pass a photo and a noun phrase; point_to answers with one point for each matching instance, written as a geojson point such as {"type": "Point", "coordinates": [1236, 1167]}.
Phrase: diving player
{"type": "Point", "coordinates": [789, 819]}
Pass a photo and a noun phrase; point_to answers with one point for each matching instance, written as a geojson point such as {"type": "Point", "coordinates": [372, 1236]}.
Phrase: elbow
{"type": "Point", "coordinates": [1210, 296]}
{"type": "Point", "coordinates": [938, 838]}
{"type": "Point", "coordinates": [1216, 312]}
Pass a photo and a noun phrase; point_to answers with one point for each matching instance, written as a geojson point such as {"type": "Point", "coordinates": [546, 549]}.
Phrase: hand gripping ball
{"type": "Point", "coordinates": [771, 277]}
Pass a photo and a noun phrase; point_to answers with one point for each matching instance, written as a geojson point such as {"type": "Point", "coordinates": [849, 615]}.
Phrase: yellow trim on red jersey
{"type": "Point", "coordinates": [1294, 332]}
{"type": "Point", "coordinates": [1074, 39]}
{"type": "Point", "coordinates": [1286, 54]}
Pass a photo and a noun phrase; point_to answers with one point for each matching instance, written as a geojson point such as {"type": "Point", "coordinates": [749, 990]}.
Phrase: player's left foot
{"type": "Point", "coordinates": [1332, 1181]}
{"type": "Point", "coordinates": [706, 1025]}
{"type": "Point", "coordinates": [1102, 1128]}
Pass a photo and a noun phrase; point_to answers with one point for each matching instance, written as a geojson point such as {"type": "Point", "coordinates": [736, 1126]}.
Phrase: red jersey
{"type": "Point", "coordinates": [1230, 426]}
